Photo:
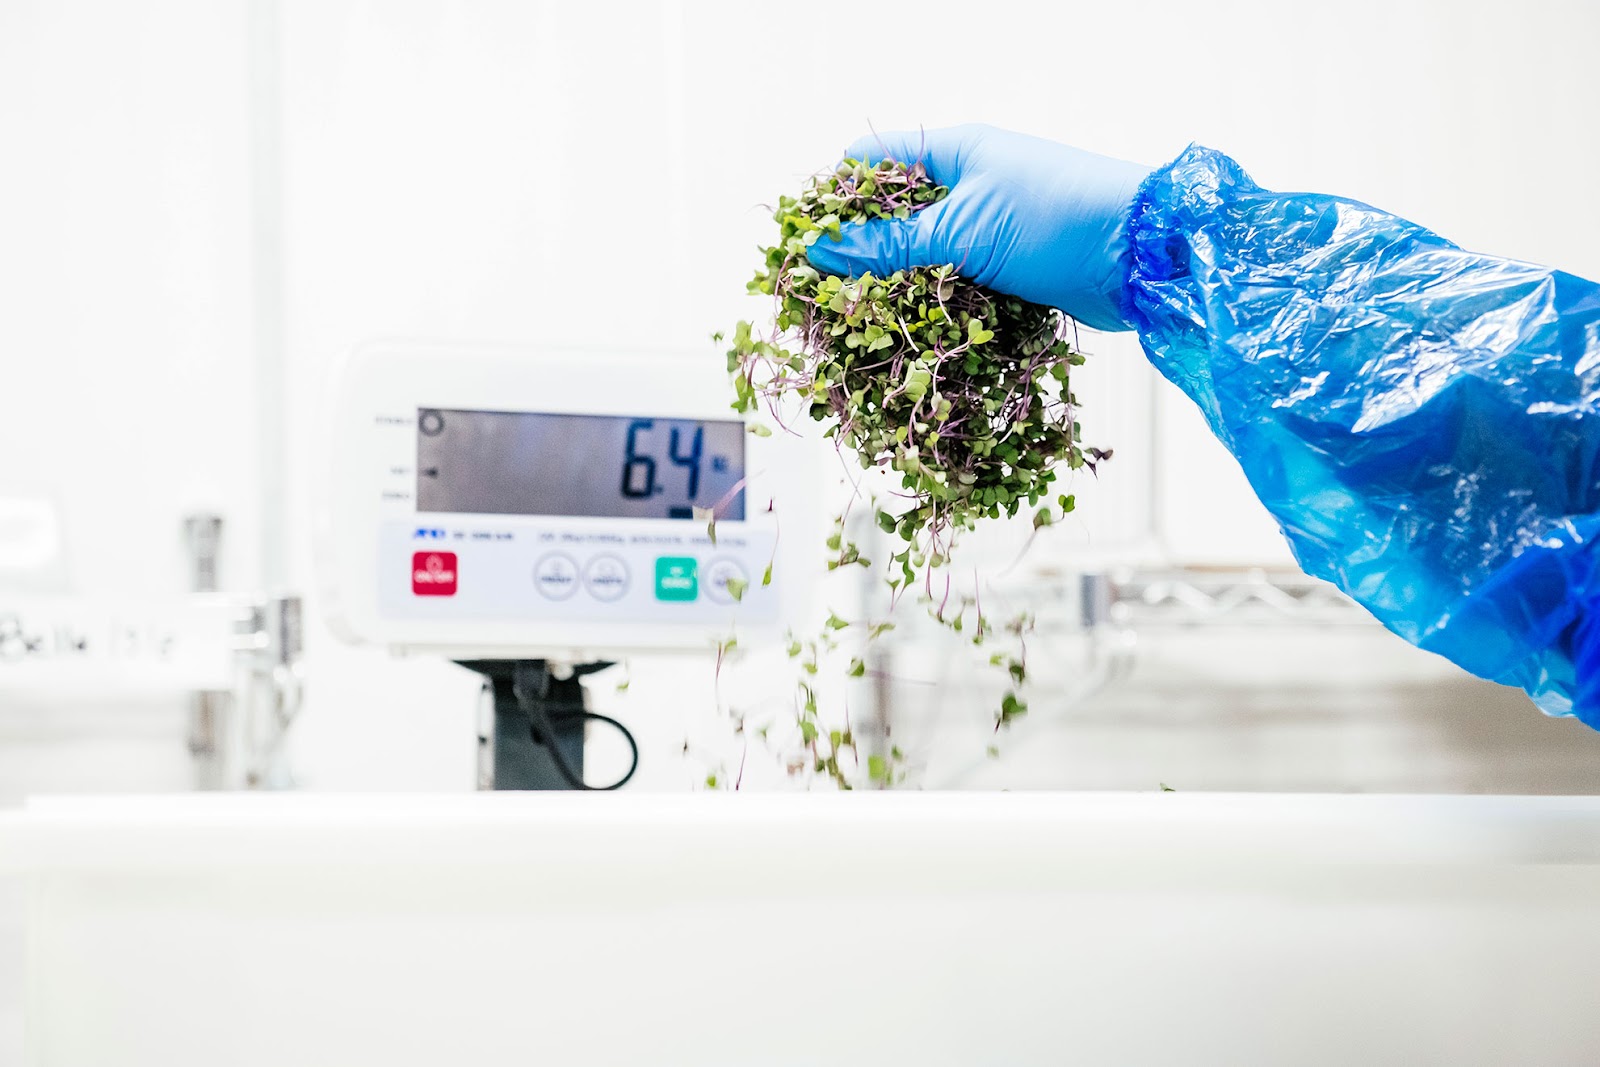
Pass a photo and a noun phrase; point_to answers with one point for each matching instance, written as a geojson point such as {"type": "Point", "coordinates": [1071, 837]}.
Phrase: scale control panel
{"type": "Point", "coordinates": [442, 568]}
{"type": "Point", "coordinates": [502, 503]}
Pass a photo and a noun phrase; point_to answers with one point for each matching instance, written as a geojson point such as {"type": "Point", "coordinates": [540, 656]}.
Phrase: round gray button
{"type": "Point", "coordinates": [556, 576]}
{"type": "Point", "coordinates": [717, 573]}
{"type": "Point", "coordinates": [606, 578]}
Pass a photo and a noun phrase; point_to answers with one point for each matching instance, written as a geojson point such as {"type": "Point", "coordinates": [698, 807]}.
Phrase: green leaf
{"type": "Point", "coordinates": [736, 588]}
{"type": "Point", "coordinates": [760, 430]}
{"type": "Point", "coordinates": [918, 378]}
{"type": "Point", "coordinates": [857, 668]}
{"type": "Point", "coordinates": [835, 623]}
{"type": "Point", "coordinates": [877, 768]}
{"type": "Point", "coordinates": [709, 517]}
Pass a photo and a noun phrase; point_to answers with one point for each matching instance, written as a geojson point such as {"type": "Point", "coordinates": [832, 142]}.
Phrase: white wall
{"type": "Point", "coordinates": [125, 335]}
{"type": "Point", "coordinates": [125, 279]}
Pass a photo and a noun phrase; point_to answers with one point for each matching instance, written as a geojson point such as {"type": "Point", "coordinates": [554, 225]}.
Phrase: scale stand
{"type": "Point", "coordinates": [536, 741]}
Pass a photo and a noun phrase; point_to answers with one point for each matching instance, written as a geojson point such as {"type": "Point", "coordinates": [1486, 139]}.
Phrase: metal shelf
{"type": "Point", "coordinates": [1254, 597]}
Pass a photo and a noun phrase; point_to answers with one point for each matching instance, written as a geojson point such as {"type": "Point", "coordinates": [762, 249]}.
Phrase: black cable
{"type": "Point", "coordinates": [542, 728]}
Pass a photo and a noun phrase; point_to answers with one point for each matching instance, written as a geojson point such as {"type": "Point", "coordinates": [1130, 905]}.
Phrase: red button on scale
{"type": "Point", "coordinates": [433, 574]}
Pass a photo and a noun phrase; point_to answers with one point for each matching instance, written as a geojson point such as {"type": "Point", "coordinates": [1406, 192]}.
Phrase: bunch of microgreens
{"type": "Point", "coordinates": [957, 393]}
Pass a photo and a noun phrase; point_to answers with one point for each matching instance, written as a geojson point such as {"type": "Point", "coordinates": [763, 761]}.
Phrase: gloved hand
{"type": "Point", "coordinates": [1024, 216]}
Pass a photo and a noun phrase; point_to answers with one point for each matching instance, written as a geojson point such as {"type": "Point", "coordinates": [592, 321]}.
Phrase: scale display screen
{"type": "Point", "coordinates": [604, 466]}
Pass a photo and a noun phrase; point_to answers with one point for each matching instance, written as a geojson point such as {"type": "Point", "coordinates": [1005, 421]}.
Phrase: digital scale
{"type": "Point", "coordinates": [537, 514]}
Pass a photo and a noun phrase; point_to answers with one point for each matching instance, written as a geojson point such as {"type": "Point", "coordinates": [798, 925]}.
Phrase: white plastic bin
{"type": "Point", "coordinates": [809, 929]}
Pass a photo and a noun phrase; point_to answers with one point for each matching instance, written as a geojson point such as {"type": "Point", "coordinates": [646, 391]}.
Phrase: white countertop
{"type": "Point", "coordinates": [236, 828]}
{"type": "Point", "coordinates": [945, 930]}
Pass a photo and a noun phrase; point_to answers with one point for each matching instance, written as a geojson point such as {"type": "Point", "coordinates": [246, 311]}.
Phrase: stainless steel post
{"type": "Point", "coordinates": [207, 710]}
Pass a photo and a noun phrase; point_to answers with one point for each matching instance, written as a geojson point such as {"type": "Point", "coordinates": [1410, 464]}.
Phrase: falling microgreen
{"type": "Point", "coordinates": [709, 517]}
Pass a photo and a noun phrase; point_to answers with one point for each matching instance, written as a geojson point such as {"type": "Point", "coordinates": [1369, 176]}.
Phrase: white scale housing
{"type": "Point", "coordinates": [495, 503]}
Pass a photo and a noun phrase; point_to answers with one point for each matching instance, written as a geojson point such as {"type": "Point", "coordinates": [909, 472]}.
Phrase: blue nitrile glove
{"type": "Point", "coordinates": [1024, 216]}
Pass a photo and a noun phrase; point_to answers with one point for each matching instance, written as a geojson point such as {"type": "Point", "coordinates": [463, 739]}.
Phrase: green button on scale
{"type": "Point", "coordinates": [677, 578]}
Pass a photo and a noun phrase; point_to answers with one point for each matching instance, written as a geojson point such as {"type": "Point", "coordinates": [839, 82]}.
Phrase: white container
{"type": "Point", "coordinates": [769, 930]}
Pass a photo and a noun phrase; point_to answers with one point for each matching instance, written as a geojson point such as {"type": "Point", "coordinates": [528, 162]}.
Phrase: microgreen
{"type": "Point", "coordinates": [958, 395]}
{"type": "Point", "coordinates": [960, 390]}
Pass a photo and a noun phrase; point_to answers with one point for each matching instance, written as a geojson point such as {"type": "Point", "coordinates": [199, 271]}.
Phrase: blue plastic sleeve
{"type": "Point", "coordinates": [1422, 421]}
